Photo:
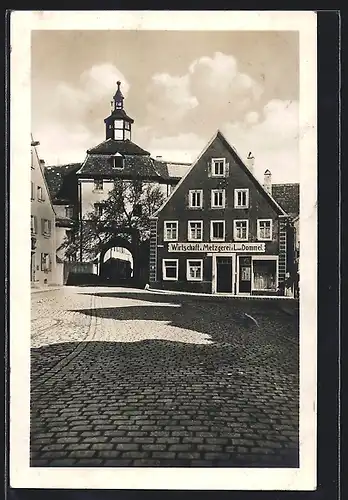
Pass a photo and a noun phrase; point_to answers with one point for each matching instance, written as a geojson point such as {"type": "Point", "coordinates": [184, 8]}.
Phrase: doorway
{"type": "Point", "coordinates": [244, 274]}
{"type": "Point", "coordinates": [224, 274]}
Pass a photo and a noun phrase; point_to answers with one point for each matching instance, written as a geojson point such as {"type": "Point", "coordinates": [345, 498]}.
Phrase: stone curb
{"type": "Point", "coordinates": [221, 296]}
{"type": "Point", "coordinates": [48, 289]}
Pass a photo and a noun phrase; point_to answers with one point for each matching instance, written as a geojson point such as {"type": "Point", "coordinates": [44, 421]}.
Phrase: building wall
{"type": "Point", "coordinates": [177, 209]}
{"type": "Point", "coordinates": [90, 196]}
{"type": "Point", "coordinates": [43, 243]}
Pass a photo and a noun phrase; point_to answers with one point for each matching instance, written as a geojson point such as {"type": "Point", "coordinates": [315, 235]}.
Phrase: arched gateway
{"type": "Point", "coordinates": [128, 238]}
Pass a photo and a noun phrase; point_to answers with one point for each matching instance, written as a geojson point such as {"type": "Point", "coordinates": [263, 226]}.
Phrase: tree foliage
{"type": "Point", "coordinates": [129, 205]}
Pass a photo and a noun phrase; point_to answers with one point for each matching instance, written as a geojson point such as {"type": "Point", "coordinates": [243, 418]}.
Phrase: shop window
{"type": "Point", "coordinates": [265, 274]}
{"type": "Point", "coordinates": [218, 167]}
{"type": "Point", "coordinates": [241, 198]}
{"type": "Point", "coordinates": [217, 230]}
{"type": "Point", "coordinates": [196, 198]}
{"type": "Point", "coordinates": [264, 229]}
{"type": "Point", "coordinates": [33, 224]}
{"type": "Point", "coordinates": [241, 230]}
{"type": "Point", "coordinates": [171, 230]}
{"type": "Point", "coordinates": [98, 185]}
{"type": "Point", "coordinates": [195, 230]}
{"type": "Point", "coordinates": [218, 197]}
{"type": "Point", "coordinates": [46, 227]}
{"type": "Point", "coordinates": [194, 271]}
{"type": "Point", "coordinates": [170, 269]}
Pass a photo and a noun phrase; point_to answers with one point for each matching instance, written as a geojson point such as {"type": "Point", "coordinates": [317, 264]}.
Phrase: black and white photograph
{"type": "Point", "coordinates": [167, 296]}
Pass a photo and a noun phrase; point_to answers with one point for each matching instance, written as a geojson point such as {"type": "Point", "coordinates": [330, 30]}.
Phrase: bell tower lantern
{"type": "Point", "coordinates": [118, 124]}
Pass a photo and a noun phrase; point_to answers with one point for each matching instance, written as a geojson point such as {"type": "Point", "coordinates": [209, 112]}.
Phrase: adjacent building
{"type": "Point", "coordinates": [43, 269]}
{"type": "Point", "coordinates": [220, 230]}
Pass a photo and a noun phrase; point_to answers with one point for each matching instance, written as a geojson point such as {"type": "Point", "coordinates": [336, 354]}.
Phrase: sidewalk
{"type": "Point", "coordinates": [222, 295]}
{"type": "Point", "coordinates": [45, 288]}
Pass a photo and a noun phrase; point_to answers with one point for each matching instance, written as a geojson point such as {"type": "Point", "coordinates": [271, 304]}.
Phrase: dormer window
{"type": "Point", "coordinates": [118, 161]}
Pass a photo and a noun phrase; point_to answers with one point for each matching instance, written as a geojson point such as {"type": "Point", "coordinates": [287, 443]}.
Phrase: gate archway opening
{"type": "Point", "coordinates": [117, 261]}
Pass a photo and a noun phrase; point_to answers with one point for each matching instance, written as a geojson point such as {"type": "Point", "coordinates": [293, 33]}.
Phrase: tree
{"type": "Point", "coordinates": [129, 205]}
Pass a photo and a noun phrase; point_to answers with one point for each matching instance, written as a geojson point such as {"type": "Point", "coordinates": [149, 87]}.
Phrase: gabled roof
{"type": "Point", "coordinates": [111, 146]}
{"type": "Point", "coordinates": [288, 197]}
{"type": "Point", "coordinates": [59, 181]}
{"type": "Point", "coordinates": [238, 160]}
{"type": "Point", "coordinates": [134, 166]}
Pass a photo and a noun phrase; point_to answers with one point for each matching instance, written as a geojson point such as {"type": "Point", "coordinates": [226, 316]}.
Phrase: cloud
{"type": "Point", "coordinates": [60, 144]}
{"type": "Point", "coordinates": [169, 97]}
{"type": "Point", "coordinates": [212, 91]}
{"type": "Point", "coordinates": [273, 140]}
{"type": "Point", "coordinates": [271, 135]}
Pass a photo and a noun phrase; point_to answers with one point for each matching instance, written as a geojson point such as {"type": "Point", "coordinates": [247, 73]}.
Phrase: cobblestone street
{"type": "Point", "coordinates": [123, 377]}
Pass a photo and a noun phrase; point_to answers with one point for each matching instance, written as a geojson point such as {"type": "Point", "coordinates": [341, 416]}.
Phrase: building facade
{"type": "Point", "coordinates": [220, 231]}
{"type": "Point", "coordinates": [43, 269]}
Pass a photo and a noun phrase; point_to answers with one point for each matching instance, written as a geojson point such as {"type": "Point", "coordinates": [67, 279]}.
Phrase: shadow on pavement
{"type": "Point", "coordinates": [194, 385]}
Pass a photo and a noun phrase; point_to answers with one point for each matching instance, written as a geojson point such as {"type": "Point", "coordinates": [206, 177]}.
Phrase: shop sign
{"type": "Point", "coordinates": [217, 247]}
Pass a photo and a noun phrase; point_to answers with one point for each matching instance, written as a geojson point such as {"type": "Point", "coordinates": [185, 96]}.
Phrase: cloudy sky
{"type": "Point", "coordinates": [180, 87]}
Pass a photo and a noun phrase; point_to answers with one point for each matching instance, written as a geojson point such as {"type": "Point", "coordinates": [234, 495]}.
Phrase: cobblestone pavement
{"type": "Point", "coordinates": [126, 377]}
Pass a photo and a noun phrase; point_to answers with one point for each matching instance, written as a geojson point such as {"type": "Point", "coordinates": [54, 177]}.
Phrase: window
{"type": "Point", "coordinates": [46, 227]}
{"type": "Point", "coordinates": [218, 167]}
{"type": "Point", "coordinates": [195, 230]}
{"type": "Point", "coordinates": [196, 198]}
{"type": "Point", "coordinates": [137, 210]}
{"type": "Point", "coordinates": [69, 212]}
{"type": "Point", "coordinates": [170, 269]}
{"type": "Point", "coordinates": [264, 229]}
{"type": "Point", "coordinates": [33, 224]}
{"type": "Point", "coordinates": [241, 198]}
{"type": "Point", "coordinates": [194, 270]}
{"type": "Point", "coordinates": [99, 209]}
{"type": "Point", "coordinates": [171, 230]}
{"type": "Point", "coordinates": [118, 161]}
{"type": "Point", "coordinates": [218, 197]}
{"type": "Point", "coordinates": [45, 262]}
{"type": "Point", "coordinates": [264, 274]}
{"type": "Point", "coordinates": [240, 230]}
{"type": "Point", "coordinates": [98, 185]}
{"type": "Point", "coordinates": [40, 194]}
{"type": "Point", "coordinates": [32, 193]}
{"type": "Point", "coordinates": [217, 230]}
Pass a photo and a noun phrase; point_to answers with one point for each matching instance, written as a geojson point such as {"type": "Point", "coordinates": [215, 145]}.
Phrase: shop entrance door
{"type": "Point", "coordinates": [224, 273]}
{"type": "Point", "coordinates": [244, 281]}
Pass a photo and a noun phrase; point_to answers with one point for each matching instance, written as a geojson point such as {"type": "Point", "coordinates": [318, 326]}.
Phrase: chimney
{"type": "Point", "coordinates": [42, 163]}
{"type": "Point", "coordinates": [250, 162]}
{"type": "Point", "coordinates": [267, 182]}
{"type": "Point", "coordinates": [158, 157]}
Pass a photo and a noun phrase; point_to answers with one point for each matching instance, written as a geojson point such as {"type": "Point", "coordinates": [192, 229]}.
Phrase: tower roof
{"type": "Point", "coordinates": [118, 95]}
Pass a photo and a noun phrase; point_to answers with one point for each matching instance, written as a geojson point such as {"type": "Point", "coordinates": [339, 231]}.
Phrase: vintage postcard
{"type": "Point", "coordinates": [163, 297]}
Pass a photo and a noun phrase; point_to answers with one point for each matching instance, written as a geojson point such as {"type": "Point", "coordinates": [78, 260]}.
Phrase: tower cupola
{"type": "Point", "coordinates": [118, 124]}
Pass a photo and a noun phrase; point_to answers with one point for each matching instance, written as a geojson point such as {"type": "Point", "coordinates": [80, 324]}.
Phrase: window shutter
{"type": "Point", "coordinates": [209, 169]}
{"type": "Point", "coordinates": [227, 169]}
{"type": "Point", "coordinates": [43, 226]}
{"type": "Point", "coordinates": [35, 224]}
{"type": "Point", "coordinates": [188, 199]}
{"type": "Point", "coordinates": [49, 227]}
